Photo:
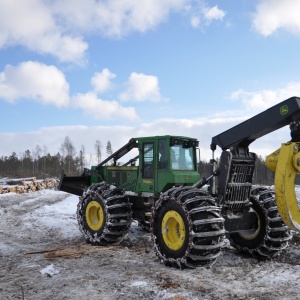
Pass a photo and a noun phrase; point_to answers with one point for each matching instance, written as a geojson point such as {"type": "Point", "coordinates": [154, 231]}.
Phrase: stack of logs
{"type": "Point", "coordinates": [25, 186]}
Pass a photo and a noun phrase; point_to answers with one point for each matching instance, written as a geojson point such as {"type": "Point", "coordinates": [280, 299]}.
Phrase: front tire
{"type": "Point", "coordinates": [104, 214]}
{"type": "Point", "coordinates": [172, 231]}
{"type": "Point", "coordinates": [186, 228]}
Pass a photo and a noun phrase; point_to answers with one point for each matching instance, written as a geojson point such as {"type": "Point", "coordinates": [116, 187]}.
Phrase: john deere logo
{"type": "Point", "coordinates": [147, 181]}
{"type": "Point", "coordinates": [284, 110]}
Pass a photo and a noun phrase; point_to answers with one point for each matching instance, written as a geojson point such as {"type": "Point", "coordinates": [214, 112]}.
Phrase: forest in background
{"type": "Point", "coordinates": [41, 164]}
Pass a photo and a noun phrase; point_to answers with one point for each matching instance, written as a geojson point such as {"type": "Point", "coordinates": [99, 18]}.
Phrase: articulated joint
{"type": "Point", "coordinates": [285, 162]}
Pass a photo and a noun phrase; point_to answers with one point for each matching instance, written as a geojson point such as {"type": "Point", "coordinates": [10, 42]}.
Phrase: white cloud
{"type": "Point", "coordinates": [203, 15]}
{"type": "Point", "coordinates": [195, 21]}
{"type": "Point", "coordinates": [102, 81]}
{"type": "Point", "coordinates": [116, 18]}
{"type": "Point", "coordinates": [103, 109]}
{"type": "Point", "coordinates": [213, 13]}
{"type": "Point", "coordinates": [272, 15]}
{"type": "Point", "coordinates": [264, 99]}
{"type": "Point", "coordinates": [47, 85]}
{"type": "Point", "coordinates": [57, 27]}
{"type": "Point", "coordinates": [141, 87]}
{"type": "Point", "coordinates": [35, 81]}
{"type": "Point", "coordinates": [32, 24]}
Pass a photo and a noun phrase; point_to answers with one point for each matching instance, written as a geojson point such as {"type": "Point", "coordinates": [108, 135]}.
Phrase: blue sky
{"type": "Point", "coordinates": [111, 70]}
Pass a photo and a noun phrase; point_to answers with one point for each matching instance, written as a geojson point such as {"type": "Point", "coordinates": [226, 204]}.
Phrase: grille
{"type": "Point", "coordinates": [239, 185]}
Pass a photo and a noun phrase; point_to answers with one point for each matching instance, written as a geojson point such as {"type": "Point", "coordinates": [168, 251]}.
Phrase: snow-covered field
{"type": "Point", "coordinates": [32, 224]}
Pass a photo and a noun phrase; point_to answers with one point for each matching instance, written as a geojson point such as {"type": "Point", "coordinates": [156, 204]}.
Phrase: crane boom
{"type": "Point", "coordinates": [243, 134]}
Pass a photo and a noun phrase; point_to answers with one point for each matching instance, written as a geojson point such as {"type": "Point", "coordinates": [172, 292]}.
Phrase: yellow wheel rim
{"type": "Point", "coordinates": [251, 234]}
{"type": "Point", "coordinates": [94, 215]}
{"type": "Point", "coordinates": [173, 230]}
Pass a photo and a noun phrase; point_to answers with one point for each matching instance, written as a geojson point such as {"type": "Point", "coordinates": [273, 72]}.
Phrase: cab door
{"type": "Point", "coordinates": [147, 161]}
{"type": "Point", "coordinates": [163, 176]}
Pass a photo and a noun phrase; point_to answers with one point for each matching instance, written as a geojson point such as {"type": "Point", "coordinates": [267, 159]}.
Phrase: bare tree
{"type": "Point", "coordinates": [68, 153]}
{"type": "Point", "coordinates": [109, 151]}
{"type": "Point", "coordinates": [36, 154]}
{"type": "Point", "coordinates": [98, 147]}
{"type": "Point", "coordinates": [45, 152]}
{"type": "Point", "coordinates": [82, 158]}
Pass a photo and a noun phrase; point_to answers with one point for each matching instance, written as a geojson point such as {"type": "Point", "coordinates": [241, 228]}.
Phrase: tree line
{"type": "Point", "coordinates": [40, 163]}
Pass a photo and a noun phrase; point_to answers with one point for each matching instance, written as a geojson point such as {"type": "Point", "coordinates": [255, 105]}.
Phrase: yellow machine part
{"type": "Point", "coordinates": [173, 230]}
{"type": "Point", "coordinates": [285, 162]}
{"type": "Point", "coordinates": [94, 215]}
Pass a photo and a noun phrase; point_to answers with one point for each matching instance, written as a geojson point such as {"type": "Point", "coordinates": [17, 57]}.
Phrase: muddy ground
{"type": "Point", "coordinates": [33, 225]}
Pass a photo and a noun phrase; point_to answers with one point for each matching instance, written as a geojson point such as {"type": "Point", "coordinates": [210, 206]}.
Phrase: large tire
{"type": "Point", "coordinates": [104, 214]}
{"type": "Point", "coordinates": [186, 228]}
{"type": "Point", "coordinates": [271, 234]}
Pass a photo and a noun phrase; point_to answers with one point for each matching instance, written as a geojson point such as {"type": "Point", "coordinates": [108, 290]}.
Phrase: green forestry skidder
{"type": "Point", "coordinates": [188, 223]}
{"type": "Point", "coordinates": [111, 196]}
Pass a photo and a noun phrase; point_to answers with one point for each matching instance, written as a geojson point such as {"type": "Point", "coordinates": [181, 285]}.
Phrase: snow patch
{"type": "Point", "coordinates": [49, 271]}
{"type": "Point", "coordinates": [139, 283]}
{"type": "Point", "coordinates": [60, 215]}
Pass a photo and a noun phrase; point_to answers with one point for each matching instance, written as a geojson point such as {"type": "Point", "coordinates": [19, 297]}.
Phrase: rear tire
{"type": "Point", "coordinates": [271, 235]}
{"type": "Point", "coordinates": [186, 228]}
{"type": "Point", "coordinates": [104, 214]}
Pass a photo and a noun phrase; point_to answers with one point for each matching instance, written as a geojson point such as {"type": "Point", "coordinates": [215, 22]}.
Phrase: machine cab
{"type": "Point", "coordinates": [166, 161]}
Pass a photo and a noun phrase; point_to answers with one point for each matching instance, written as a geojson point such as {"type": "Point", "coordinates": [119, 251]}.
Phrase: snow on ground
{"type": "Point", "coordinates": [47, 219]}
{"type": "Point", "coordinates": [60, 216]}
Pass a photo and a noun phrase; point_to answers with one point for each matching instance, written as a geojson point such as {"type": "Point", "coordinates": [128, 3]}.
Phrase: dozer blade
{"type": "Point", "coordinates": [73, 184]}
{"type": "Point", "coordinates": [285, 162]}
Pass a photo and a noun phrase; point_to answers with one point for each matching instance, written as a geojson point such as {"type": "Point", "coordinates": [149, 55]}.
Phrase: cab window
{"type": "Point", "coordinates": [163, 158]}
{"type": "Point", "coordinates": [182, 158]}
{"type": "Point", "coordinates": [148, 162]}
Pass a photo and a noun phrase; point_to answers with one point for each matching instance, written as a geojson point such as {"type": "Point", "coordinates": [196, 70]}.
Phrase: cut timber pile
{"type": "Point", "coordinates": [25, 186]}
